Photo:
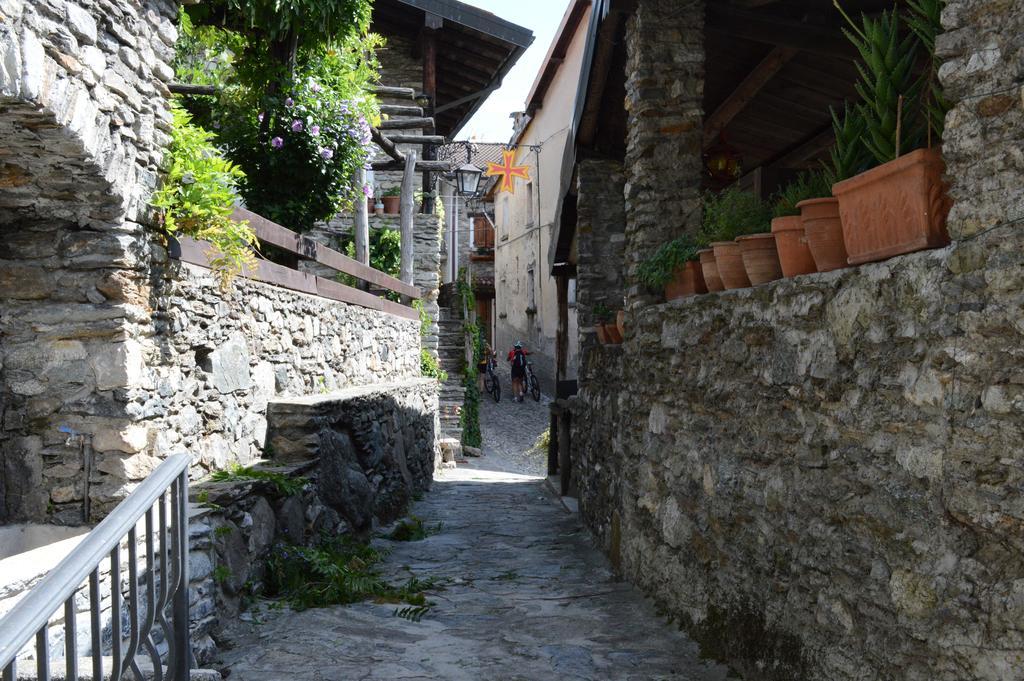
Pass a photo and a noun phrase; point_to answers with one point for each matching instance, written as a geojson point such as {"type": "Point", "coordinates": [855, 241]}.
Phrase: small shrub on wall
{"type": "Point", "coordinates": [198, 195]}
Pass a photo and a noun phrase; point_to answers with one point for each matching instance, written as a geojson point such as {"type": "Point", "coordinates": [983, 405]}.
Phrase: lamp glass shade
{"type": "Point", "coordinates": [468, 179]}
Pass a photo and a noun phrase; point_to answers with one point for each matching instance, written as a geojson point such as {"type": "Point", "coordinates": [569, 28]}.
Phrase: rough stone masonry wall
{"type": "Point", "coordinates": [823, 475]}
{"type": "Point", "coordinates": [600, 243]}
{"type": "Point", "coordinates": [664, 91]}
{"type": "Point", "coordinates": [82, 87]}
{"type": "Point", "coordinates": [213, 361]}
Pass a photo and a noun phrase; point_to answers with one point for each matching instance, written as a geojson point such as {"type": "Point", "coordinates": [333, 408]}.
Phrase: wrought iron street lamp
{"type": "Point", "coordinates": [468, 179]}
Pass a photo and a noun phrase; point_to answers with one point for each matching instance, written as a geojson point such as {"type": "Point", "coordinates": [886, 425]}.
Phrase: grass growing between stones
{"type": "Point", "coordinates": [284, 485]}
{"type": "Point", "coordinates": [340, 571]}
{"type": "Point", "coordinates": [413, 529]}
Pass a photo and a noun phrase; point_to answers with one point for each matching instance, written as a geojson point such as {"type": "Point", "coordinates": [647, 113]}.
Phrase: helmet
{"type": "Point", "coordinates": [518, 345]}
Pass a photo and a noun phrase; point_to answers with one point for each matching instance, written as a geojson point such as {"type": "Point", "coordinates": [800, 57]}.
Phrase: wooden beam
{"type": "Point", "coordinates": [387, 145]}
{"type": "Point", "coordinates": [273, 233]}
{"type": "Point", "coordinates": [362, 220]}
{"type": "Point", "coordinates": [186, 89]}
{"type": "Point", "coordinates": [408, 216]}
{"type": "Point", "coordinates": [393, 92]}
{"type": "Point", "coordinates": [430, 62]}
{"type": "Point", "coordinates": [416, 139]}
{"type": "Point", "coordinates": [407, 124]}
{"type": "Point", "coordinates": [421, 166]}
{"type": "Point", "coordinates": [745, 92]}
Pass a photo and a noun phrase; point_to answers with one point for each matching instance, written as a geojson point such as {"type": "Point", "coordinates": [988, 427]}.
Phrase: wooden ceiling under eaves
{"type": "Point", "coordinates": [774, 69]}
{"type": "Point", "coordinates": [475, 50]}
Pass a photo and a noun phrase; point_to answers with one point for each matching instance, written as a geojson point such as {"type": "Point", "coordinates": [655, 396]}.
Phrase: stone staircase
{"type": "Point", "coordinates": [405, 126]}
{"type": "Point", "coordinates": [451, 353]}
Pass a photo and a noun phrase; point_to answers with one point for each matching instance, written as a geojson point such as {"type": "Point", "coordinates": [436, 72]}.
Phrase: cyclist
{"type": "Point", "coordinates": [517, 358]}
{"type": "Point", "coordinates": [485, 360]}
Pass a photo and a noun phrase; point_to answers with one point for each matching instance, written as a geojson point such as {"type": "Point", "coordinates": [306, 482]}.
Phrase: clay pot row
{"type": "Point", "coordinates": [612, 334]}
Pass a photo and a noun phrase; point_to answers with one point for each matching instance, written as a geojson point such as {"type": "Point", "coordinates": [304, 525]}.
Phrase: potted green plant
{"type": "Point", "coordinates": [728, 216]}
{"type": "Point", "coordinates": [901, 205]}
{"type": "Point", "coordinates": [607, 332]}
{"type": "Point", "coordinates": [788, 226]}
{"type": "Point", "coordinates": [392, 198]}
{"type": "Point", "coordinates": [675, 269]}
{"type": "Point", "coordinates": [823, 227]}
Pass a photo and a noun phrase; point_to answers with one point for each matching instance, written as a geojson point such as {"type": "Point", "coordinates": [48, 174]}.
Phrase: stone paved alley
{"type": "Point", "coordinates": [525, 595]}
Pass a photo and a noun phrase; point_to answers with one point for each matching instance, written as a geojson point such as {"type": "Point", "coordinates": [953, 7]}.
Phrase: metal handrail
{"type": "Point", "coordinates": [30, 617]}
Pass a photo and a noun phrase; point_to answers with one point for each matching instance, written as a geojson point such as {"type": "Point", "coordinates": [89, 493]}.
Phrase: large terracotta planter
{"type": "Point", "coordinates": [602, 335]}
{"type": "Point", "coordinates": [824, 232]}
{"type": "Point", "coordinates": [730, 264]}
{"type": "Point", "coordinates": [898, 207]}
{"type": "Point", "coordinates": [687, 280]}
{"type": "Point", "coordinates": [709, 268]}
{"type": "Point", "coordinates": [794, 255]}
{"type": "Point", "coordinates": [760, 258]}
{"type": "Point", "coordinates": [620, 322]}
{"type": "Point", "coordinates": [392, 205]}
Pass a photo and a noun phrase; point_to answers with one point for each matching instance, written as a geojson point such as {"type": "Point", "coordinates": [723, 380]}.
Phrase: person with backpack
{"type": "Point", "coordinates": [517, 358]}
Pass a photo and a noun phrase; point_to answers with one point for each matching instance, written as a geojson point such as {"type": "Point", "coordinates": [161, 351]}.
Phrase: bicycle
{"type": "Point", "coordinates": [533, 382]}
{"type": "Point", "coordinates": [491, 383]}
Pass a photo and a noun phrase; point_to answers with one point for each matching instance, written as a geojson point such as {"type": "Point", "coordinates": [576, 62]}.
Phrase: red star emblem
{"type": "Point", "coordinates": [508, 171]}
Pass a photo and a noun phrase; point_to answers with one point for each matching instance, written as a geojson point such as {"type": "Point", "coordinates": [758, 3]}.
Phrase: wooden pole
{"type": "Point", "coordinates": [408, 210]}
{"type": "Point", "coordinates": [362, 226]}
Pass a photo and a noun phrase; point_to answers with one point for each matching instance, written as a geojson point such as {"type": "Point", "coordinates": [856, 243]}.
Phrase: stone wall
{"type": "Point", "coordinates": [82, 86]}
{"type": "Point", "coordinates": [821, 476]}
{"type": "Point", "coordinates": [376, 446]}
{"type": "Point", "coordinates": [215, 360]}
{"type": "Point", "coordinates": [835, 455]}
{"type": "Point", "coordinates": [664, 93]}
{"type": "Point", "coordinates": [983, 72]}
{"type": "Point", "coordinates": [600, 244]}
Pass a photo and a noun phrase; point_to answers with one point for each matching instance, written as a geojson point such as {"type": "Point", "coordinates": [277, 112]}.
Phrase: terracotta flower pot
{"type": "Point", "coordinates": [709, 268]}
{"type": "Point", "coordinates": [612, 331]}
{"type": "Point", "coordinates": [730, 264]}
{"type": "Point", "coordinates": [392, 205]}
{"type": "Point", "coordinates": [824, 232]}
{"type": "Point", "coordinates": [794, 255]}
{"type": "Point", "coordinates": [760, 258]}
{"type": "Point", "coordinates": [620, 322]}
{"type": "Point", "coordinates": [687, 280]}
{"type": "Point", "coordinates": [369, 205]}
{"type": "Point", "coordinates": [602, 335]}
{"type": "Point", "coordinates": [899, 207]}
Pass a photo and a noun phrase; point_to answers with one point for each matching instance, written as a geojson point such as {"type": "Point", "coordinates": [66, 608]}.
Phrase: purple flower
{"type": "Point", "coordinates": [259, 116]}
{"type": "Point", "coordinates": [316, 87]}
{"type": "Point", "coordinates": [277, 142]}
{"type": "Point", "coordinates": [327, 154]}
{"type": "Point", "coordinates": [367, 190]}
{"type": "Point", "coordinates": [344, 108]}
{"type": "Point", "coordinates": [296, 126]}
{"type": "Point", "coordinates": [314, 130]}
{"type": "Point", "coordinates": [289, 102]}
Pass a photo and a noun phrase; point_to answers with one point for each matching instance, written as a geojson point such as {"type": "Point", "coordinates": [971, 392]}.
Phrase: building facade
{"type": "Point", "coordinates": [526, 294]}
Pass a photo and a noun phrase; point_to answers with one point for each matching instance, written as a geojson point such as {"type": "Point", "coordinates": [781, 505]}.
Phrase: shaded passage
{"type": "Point", "coordinates": [522, 594]}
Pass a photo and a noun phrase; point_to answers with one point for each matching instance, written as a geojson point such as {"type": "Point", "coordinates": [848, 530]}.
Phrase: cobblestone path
{"type": "Point", "coordinates": [525, 597]}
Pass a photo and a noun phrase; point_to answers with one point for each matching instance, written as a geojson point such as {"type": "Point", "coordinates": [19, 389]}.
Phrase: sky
{"type": "Point", "coordinates": [492, 123]}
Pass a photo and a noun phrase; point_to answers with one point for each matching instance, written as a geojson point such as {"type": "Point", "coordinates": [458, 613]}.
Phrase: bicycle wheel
{"type": "Point", "coordinates": [496, 389]}
{"type": "Point", "coordinates": [535, 388]}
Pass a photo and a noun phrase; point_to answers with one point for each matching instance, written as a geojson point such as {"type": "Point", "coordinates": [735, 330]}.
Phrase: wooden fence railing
{"type": "Point", "coordinates": [198, 253]}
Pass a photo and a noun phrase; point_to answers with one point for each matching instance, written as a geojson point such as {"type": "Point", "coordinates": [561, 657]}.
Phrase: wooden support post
{"type": "Point", "coordinates": [408, 217]}
{"type": "Point", "coordinates": [432, 23]}
{"type": "Point", "coordinates": [362, 226]}
{"type": "Point", "coordinates": [562, 332]}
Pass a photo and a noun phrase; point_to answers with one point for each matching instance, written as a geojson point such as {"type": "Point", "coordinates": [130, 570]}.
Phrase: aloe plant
{"type": "Point", "coordinates": [812, 184]}
{"type": "Point", "coordinates": [849, 155]}
{"type": "Point", "coordinates": [924, 17]}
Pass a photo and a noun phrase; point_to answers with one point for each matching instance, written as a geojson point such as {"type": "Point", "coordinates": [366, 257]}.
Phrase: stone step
{"type": "Point", "coordinates": [401, 110]}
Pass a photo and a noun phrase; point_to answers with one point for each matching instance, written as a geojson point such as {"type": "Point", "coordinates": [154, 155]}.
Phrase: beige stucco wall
{"type": "Point", "coordinates": [525, 225]}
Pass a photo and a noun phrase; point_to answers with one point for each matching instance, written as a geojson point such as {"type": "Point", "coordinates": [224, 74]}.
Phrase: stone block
{"type": "Point", "coordinates": [228, 366]}
{"type": "Point", "coordinates": [81, 23]}
{"type": "Point", "coordinates": [117, 365]}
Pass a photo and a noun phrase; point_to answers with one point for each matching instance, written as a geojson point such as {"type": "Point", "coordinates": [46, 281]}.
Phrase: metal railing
{"type": "Point", "coordinates": [162, 499]}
